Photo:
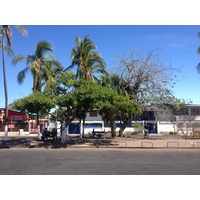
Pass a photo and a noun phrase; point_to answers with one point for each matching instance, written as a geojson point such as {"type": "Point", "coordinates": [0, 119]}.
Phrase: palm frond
{"type": "Point", "coordinates": [56, 64]}
{"type": "Point", "coordinates": [47, 56]}
{"type": "Point", "coordinates": [17, 59]}
{"type": "Point", "coordinates": [22, 30]}
{"type": "Point", "coordinates": [198, 68]}
{"type": "Point", "coordinates": [21, 76]}
{"type": "Point", "coordinates": [87, 60]}
{"type": "Point", "coordinates": [69, 67]}
{"type": "Point", "coordinates": [42, 47]}
{"type": "Point", "coordinates": [8, 33]}
{"type": "Point", "coordinates": [198, 50]}
{"type": "Point", "coordinates": [7, 49]}
{"type": "Point", "coordinates": [30, 59]}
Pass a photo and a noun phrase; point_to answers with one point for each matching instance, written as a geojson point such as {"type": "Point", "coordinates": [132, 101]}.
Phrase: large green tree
{"type": "Point", "coordinates": [121, 107]}
{"type": "Point", "coordinates": [78, 101]}
{"type": "Point", "coordinates": [88, 61]}
{"type": "Point", "coordinates": [88, 96]}
{"type": "Point", "coordinates": [6, 34]}
{"type": "Point", "coordinates": [37, 103]}
{"type": "Point", "coordinates": [60, 84]}
{"type": "Point", "coordinates": [42, 65]}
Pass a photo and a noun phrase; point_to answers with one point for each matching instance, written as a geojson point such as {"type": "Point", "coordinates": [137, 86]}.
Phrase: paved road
{"type": "Point", "coordinates": [99, 162]}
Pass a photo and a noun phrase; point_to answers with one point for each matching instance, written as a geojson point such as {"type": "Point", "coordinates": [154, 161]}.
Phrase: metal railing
{"type": "Point", "coordinates": [174, 142]}
{"type": "Point", "coordinates": [147, 142]}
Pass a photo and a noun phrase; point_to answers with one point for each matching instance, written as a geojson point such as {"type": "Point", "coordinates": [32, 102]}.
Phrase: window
{"type": "Point", "coordinates": [93, 113]}
{"type": "Point", "coordinates": [195, 111]}
{"type": "Point", "coordinates": [182, 111]}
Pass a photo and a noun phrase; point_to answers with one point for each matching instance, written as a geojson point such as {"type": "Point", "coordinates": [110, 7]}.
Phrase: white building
{"type": "Point", "coordinates": [158, 121]}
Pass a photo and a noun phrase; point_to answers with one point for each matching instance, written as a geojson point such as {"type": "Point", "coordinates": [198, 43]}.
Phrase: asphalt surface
{"type": "Point", "coordinates": [131, 155]}
{"type": "Point", "coordinates": [99, 162]}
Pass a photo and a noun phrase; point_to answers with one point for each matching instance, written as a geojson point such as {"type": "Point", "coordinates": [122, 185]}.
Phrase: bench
{"type": "Point", "coordinates": [98, 133]}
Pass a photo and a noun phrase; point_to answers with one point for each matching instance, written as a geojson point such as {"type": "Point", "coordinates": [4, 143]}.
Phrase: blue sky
{"type": "Point", "coordinates": [178, 43]}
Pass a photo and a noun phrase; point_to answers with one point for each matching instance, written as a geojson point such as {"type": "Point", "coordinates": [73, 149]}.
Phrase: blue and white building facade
{"type": "Point", "coordinates": [158, 121]}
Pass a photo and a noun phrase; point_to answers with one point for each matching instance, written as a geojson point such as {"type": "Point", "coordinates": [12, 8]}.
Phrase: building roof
{"type": "Point", "coordinates": [150, 108]}
{"type": "Point", "coordinates": [193, 105]}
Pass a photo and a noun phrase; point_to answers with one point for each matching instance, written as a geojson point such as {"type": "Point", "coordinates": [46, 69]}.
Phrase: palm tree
{"type": "Point", "coordinates": [6, 33]}
{"type": "Point", "coordinates": [115, 82]}
{"type": "Point", "coordinates": [40, 64]}
{"type": "Point", "coordinates": [87, 61]}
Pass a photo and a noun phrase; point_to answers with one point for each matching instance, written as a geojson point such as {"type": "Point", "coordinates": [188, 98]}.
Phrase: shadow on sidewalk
{"type": "Point", "coordinates": [31, 143]}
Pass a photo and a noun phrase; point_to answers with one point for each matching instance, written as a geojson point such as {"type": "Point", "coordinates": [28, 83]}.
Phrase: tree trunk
{"type": "Point", "coordinates": [112, 126]}
{"type": "Point", "coordinates": [38, 126]}
{"type": "Point", "coordinates": [5, 91]}
{"type": "Point", "coordinates": [63, 137]}
{"type": "Point", "coordinates": [81, 128]}
{"type": "Point", "coordinates": [48, 120]}
{"type": "Point", "coordinates": [83, 133]}
{"type": "Point", "coordinates": [65, 130]}
{"type": "Point", "coordinates": [65, 134]}
{"type": "Point", "coordinates": [122, 128]}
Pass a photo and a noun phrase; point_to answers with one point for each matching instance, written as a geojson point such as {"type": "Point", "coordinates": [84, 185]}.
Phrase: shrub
{"type": "Point", "coordinates": [172, 133]}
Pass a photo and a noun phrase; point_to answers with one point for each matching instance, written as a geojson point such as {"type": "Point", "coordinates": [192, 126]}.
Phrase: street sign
{"type": "Point", "coordinates": [11, 126]}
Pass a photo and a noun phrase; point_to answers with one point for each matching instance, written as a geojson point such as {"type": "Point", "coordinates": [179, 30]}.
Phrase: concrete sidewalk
{"type": "Point", "coordinates": [159, 143]}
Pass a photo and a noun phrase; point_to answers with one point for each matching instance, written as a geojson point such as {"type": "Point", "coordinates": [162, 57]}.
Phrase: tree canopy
{"type": "Point", "coordinates": [147, 77]}
{"type": "Point", "coordinates": [37, 103]}
{"type": "Point", "coordinates": [42, 65]}
{"type": "Point", "coordinates": [88, 61]}
{"type": "Point", "coordinates": [88, 96]}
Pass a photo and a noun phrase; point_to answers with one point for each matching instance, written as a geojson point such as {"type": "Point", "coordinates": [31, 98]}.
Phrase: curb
{"type": "Point", "coordinates": [35, 146]}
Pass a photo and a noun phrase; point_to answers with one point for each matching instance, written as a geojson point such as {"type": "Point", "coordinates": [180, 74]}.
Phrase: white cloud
{"type": "Point", "coordinates": [175, 41]}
